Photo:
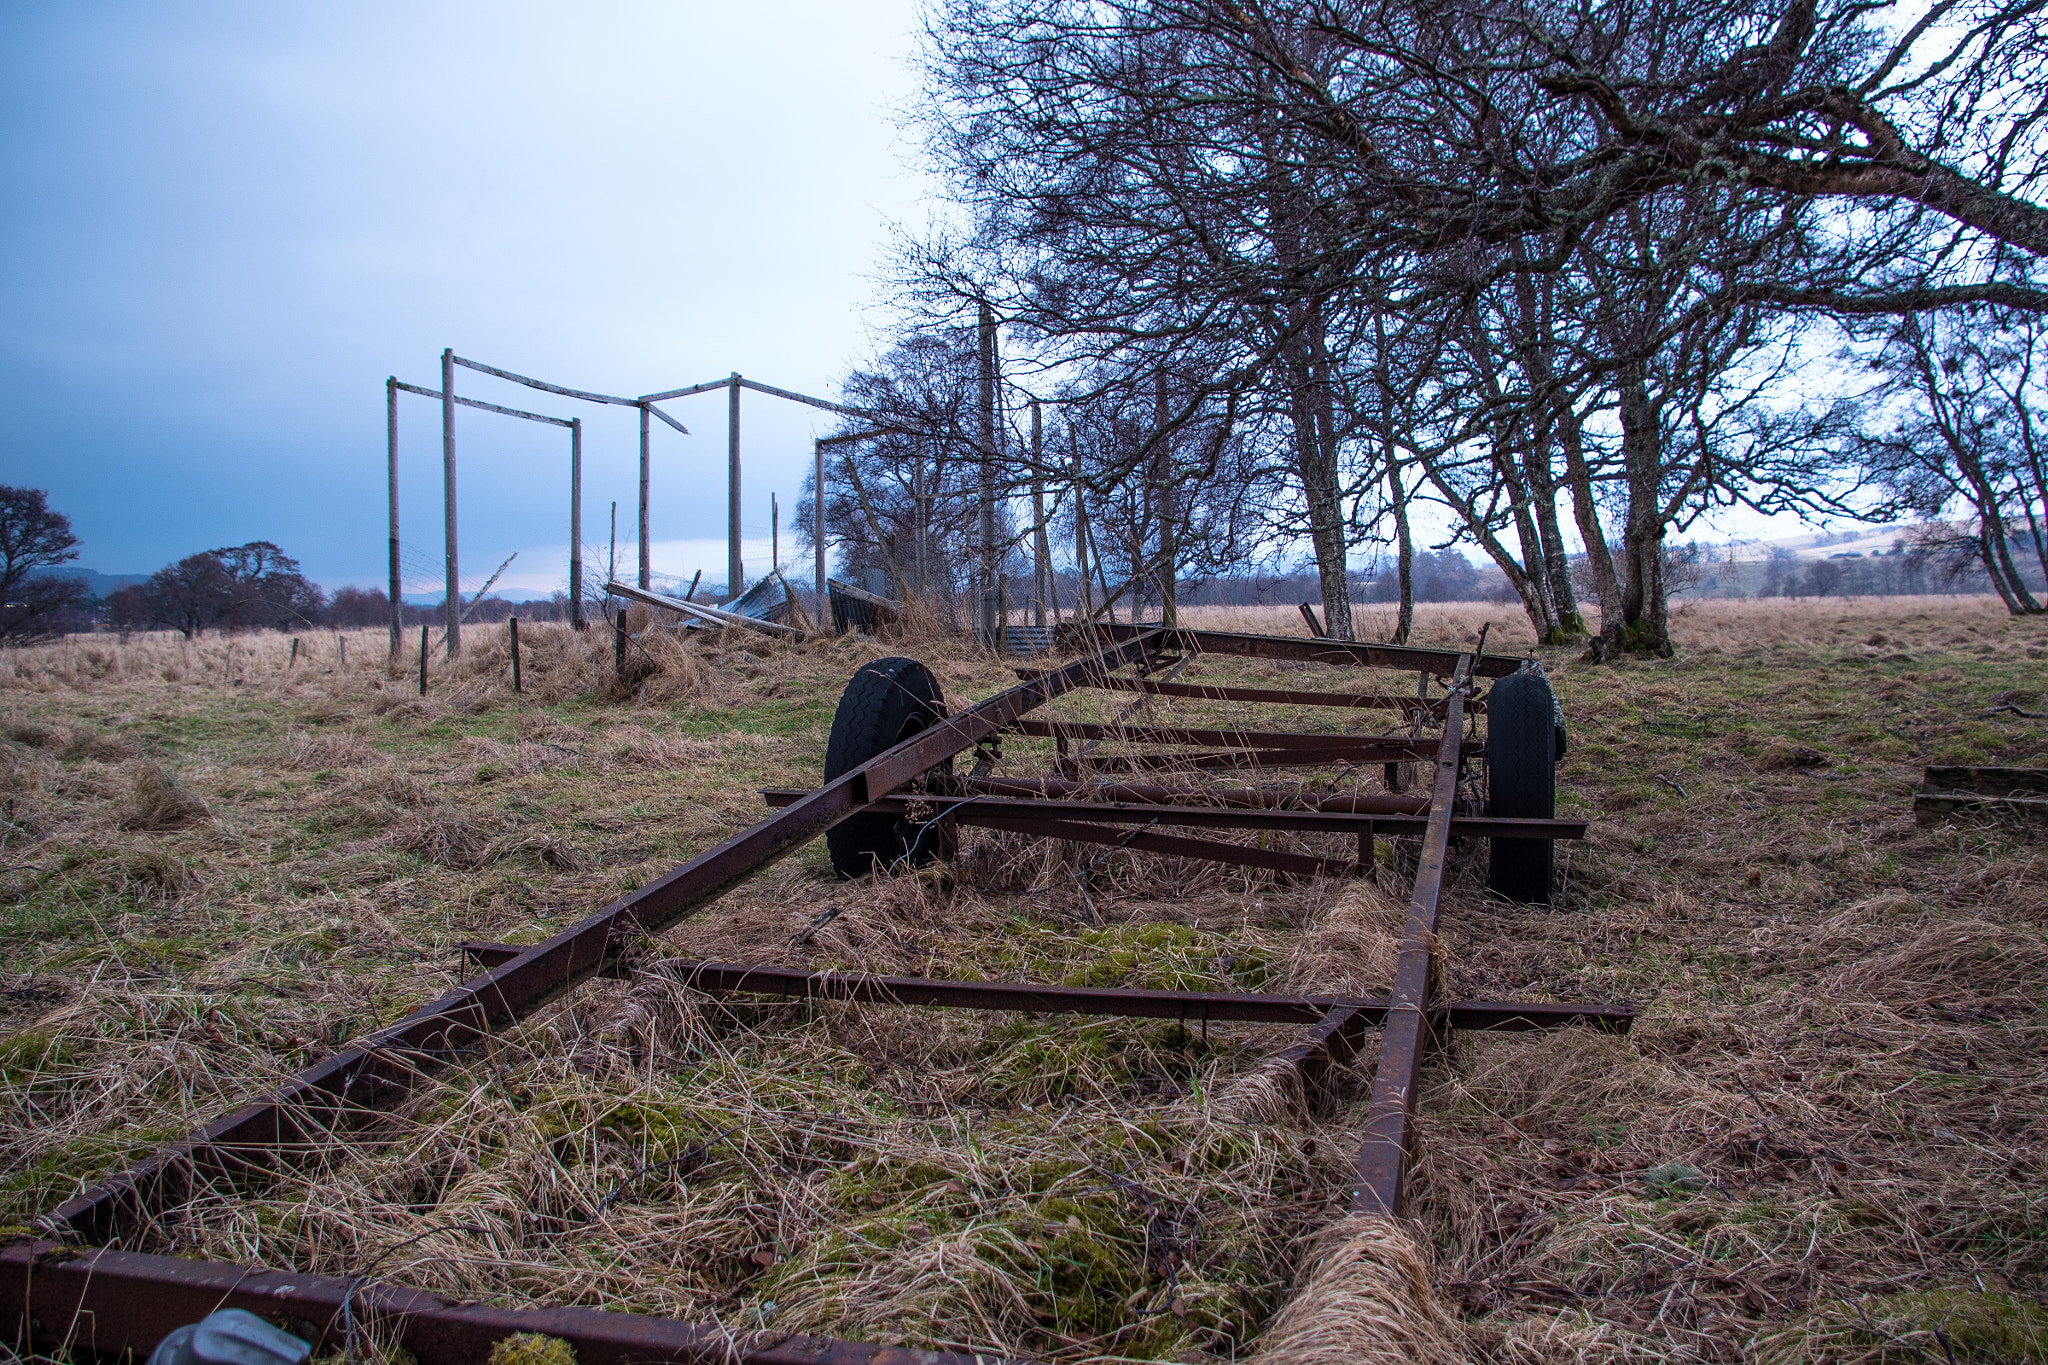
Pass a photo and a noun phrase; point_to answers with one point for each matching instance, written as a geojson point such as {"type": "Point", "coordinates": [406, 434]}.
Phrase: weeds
{"type": "Point", "coordinates": [1822, 1142]}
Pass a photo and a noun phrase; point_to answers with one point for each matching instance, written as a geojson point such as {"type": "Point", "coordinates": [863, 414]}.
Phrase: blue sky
{"type": "Point", "coordinates": [225, 224]}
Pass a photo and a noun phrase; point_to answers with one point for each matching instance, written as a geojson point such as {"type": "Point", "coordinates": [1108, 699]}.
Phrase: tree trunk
{"type": "Point", "coordinates": [1331, 565]}
{"type": "Point", "coordinates": [1315, 464]}
{"type": "Point", "coordinates": [1169, 547]}
{"type": "Point", "coordinates": [1557, 568]}
{"type": "Point", "coordinates": [1586, 514]}
{"type": "Point", "coordinates": [1537, 342]}
{"type": "Point", "coordinates": [1644, 627]}
{"type": "Point", "coordinates": [1404, 548]}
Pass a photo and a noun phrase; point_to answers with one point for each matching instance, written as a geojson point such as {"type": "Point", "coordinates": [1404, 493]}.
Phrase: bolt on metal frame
{"type": "Point", "coordinates": [72, 1290]}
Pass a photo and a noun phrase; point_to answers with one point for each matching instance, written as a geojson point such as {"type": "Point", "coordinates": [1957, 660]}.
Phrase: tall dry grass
{"type": "Point", "coordinates": [1823, 1141]}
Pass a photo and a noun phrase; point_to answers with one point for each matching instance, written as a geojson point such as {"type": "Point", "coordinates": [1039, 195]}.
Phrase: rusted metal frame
{"type": "Point", "coordinates": [1383, 1156]}
{"type": "Point", "coordinates": [1237, 739]}
{"type": "Point", "coordinates": [1232, 759]}
{"type": "Point", "coordinates": [796, 983]}
{"type": "Point", "coordinates": [1224, 817]}
{"type": "Point", "coordinates": [1150, 841]}
{"type": "Point", "coordinates": [1270, 696]}
{"type": "Point", "coordinates": [1345, 653]}
{"type": "Point", "coordinates": [1249, 798]}
{"type": "Point", "coordinates": [1332, 1042]}
{"type": "Point", "coordinates": [309, 1106]}
{"type": "Point", "coordinates": [109, 1303]}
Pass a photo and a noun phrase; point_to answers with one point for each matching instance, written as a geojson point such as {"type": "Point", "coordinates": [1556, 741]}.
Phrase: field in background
{"type": "Point", "coordinates": [1825, 1140]}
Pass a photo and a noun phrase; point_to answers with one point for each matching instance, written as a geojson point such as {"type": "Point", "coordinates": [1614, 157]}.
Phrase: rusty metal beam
{"type": "Point", "coordinates": [1441, 662]}
{"type": "Point", "coordinates": [122, 1303]}
{"type": "Point", "coordinates": [1170, 845]}
{"type": "Point", "coordinates": [1273, 696]}
{"type": "Point", "coordinates": [1221, 817]}
{"type": "Point", "coordinates": [1233, 759]}
{"type": "Point", "coordinates": [797, 983]}
{"type": "Point", "coordinates": [1247, 798]}
{"type": "Point", "coordinates": [1383, 1157]}
{"type": "Point", "coordinates": [309, 1106]}
{"type": "Point", "coordinates": [1332, 1042]}
{"type": "Point", "coordinates": [1406, 745]}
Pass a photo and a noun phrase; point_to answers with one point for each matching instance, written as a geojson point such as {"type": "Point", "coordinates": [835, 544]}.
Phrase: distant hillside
{"type": "Point", "coordinates": [97, 583]}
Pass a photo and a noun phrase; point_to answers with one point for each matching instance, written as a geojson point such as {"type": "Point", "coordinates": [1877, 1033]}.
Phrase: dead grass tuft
{"type": "Point", "coordinates": [441, 836]}
{"type": "Point", "coordinates": [1960, 965]}
{"type": "Point", "coordinates": [101, 748]}
{"type": "Point", "coordinates": [1781, 754]}
{"type": "Point", "coordinates": [314, 753]}
{"type": "Point", "coordinates": [156, 801]}
{"type": "Point", "coordinates": [1354, 947]}
{"type": "Point", "coordinates": [1366, 1299]}
{"type": "Point", "coordinates": [33, 735]}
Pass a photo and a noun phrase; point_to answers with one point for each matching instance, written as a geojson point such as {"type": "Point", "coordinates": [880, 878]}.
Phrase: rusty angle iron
{"type": "Point", "coordinates": [103, 1300]}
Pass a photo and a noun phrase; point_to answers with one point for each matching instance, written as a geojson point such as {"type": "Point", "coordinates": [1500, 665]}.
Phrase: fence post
{"type": "Point", "coordinates": [619, 645]}
{"type": "Point", "coordinates": [454, 603]}
{"type": "Point", "coordinates": [646, 579]}
{"type": "Point", "coordinates": [391, 475]}
{"type": "Point", "coordinates": [423, 661]}
{"type": "Point", "coordinates": [293, 662]}
{"type": "Point", "coordinates": [514, 623]}
{"type": "Point", "coordinates": [735, 568]}
{"type": "Point", "coordinates": [576, 524]}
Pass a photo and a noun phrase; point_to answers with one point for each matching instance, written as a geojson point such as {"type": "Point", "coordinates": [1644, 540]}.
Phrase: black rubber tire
{"type": "Point", "coordinates": [885, 703]}
{"type": "Point", "coordinates": [1521, 776]}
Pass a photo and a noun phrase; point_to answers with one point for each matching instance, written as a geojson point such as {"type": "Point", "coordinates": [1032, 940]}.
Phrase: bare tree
{"type": "Point", "coordinates": [1950, 426]}
{"type": "Point", "coordinates": [35, 538]}
{"type": "Point", "coordinates": [237, 587]}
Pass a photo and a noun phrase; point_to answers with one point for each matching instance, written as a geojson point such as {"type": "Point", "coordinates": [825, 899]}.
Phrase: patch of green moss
{"type": "Point", "coordinates": [56, 1174]}
{"type": "Point", "coordinates": [28, 1056]}
{"type": "Point", "coordinates": [1967, 1326]}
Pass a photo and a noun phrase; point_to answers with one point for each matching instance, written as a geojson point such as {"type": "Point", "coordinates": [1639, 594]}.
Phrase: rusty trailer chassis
{"type": "Point", "coordinates": [79, 1288]}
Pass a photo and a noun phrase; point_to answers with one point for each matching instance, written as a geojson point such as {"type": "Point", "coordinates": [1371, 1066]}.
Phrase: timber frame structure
{"type": "Point", "coordinates": [77, 1287]}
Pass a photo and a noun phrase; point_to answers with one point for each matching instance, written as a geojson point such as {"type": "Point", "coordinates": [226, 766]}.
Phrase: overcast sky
{"type": "Point", "coordinates": [225, 224]}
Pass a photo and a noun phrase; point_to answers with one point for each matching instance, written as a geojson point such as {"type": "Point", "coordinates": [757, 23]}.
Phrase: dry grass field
{"type": "Point", "coordinates": [1826, 1139]}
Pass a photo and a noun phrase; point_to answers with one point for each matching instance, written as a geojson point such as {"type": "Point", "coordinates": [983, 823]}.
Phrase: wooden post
{"type": "Point", "coordinates": [513, 622]}
{"type": "Point", "coordinates": [695, 579]}
{"type": "Point", "coordinates": [391, 470]}
{"type": "Point", "coordinates": [619, 645]}
{"type": "Point", "coordinates": [774, 535]}
{"type": "Point", "coordinates": [576, 524]}
{"type": "Point", "coordinates": [735, 571]}
{"type": "Point", "coordinates": [987, 548]}
{"type": "Point", "coordinates": [1041, 548]}
{"type": "Point", "coordinates": [454, 602]}
{"type": "Point", "coordinates": [646, 564]}
{"type": "Point", "coordinates": [423, 661]}
{"type": "Point", "coordinates": [818, 514]}
{"type": "Point", "coordinates": [293, 662]}
{"type": "Point", "coordinates": [341, 648]}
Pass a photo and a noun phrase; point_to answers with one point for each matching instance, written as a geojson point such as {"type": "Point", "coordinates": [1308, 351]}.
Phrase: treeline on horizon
{"type": "Point", "coordinates": [258, 586]}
